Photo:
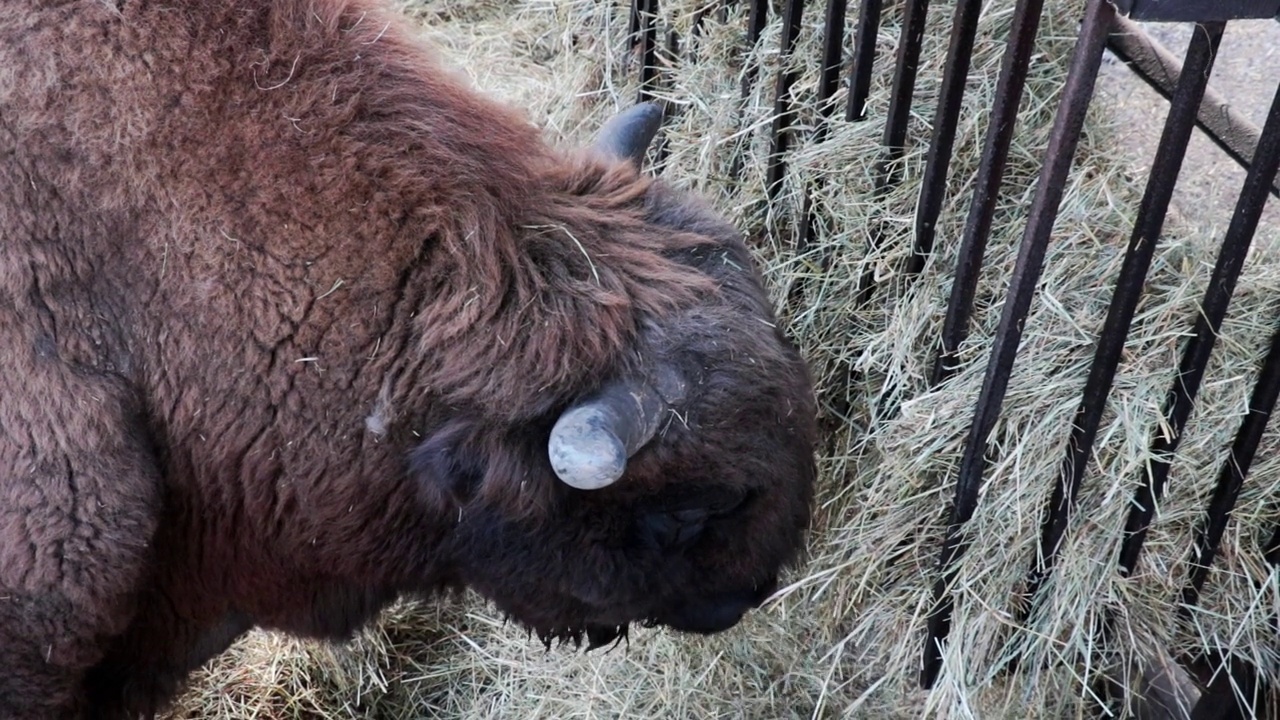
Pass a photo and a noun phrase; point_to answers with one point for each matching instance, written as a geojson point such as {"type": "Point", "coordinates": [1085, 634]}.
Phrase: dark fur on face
{"type": "Point", "coordinates": [708, 512]}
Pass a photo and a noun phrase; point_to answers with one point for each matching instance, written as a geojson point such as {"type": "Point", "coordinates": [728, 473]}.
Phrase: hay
{"type": "Point", "coordinates": [844, 639]}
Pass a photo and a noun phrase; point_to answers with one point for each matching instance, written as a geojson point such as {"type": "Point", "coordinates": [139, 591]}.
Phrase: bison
{"type": "Point", "coordinates": [293, 322]}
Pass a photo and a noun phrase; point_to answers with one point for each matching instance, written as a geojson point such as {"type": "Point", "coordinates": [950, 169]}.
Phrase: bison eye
{"type": "Point", "coordinates": [673, 530]}
{"type": "Point", "coordinates": [715, 501]}
{"type": "Point", "coordinates": [676, 519]}
{"type": "Point", "coordinates": [729, 502]}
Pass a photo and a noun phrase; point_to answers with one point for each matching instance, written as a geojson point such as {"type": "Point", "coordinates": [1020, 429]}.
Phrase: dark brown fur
{"type": "Point", "coordinates": [286, 314]}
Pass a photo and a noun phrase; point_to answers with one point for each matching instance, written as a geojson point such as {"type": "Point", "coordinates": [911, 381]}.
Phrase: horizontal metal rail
{"type": "Point", "coordinates": [1198, 10]}
{"type": "Point", "coordinates": [1231, 131]}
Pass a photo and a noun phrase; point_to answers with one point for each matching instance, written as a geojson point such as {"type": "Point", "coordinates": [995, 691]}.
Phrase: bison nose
{"type": "Point", "coordinates": [719, 612]}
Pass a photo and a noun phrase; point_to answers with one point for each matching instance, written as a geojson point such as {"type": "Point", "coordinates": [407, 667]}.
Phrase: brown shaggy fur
{"type": "Point", "coordinates": [286, 314]}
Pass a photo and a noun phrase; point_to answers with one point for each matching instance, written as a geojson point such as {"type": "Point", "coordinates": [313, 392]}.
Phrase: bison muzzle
{"type": "Point", "coordinates": [294, 323]}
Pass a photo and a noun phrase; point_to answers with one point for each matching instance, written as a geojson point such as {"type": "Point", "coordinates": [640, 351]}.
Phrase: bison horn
{"type": "Point", "coordinates": [592, 440]}
{"type": "Point", "coordinates": [627, 135]}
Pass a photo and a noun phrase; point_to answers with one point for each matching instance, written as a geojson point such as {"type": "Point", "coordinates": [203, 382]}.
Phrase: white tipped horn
{"type": "Point", "coordinates": [591, 442]}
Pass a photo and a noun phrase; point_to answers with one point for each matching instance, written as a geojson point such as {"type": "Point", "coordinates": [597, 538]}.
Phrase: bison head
{"type": "Point", "coordinates": [675, 491]}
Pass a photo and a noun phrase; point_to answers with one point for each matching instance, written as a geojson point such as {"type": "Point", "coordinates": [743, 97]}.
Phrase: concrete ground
{"type": "Point", "coordinates": [1246, 72]}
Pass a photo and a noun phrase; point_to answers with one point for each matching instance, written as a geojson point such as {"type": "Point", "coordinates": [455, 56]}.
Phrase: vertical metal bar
{"type": "Point", "coordinates": [1233, 473]}
{"type": "Point", "coordinates": [889, 172]}
{"type": "Point", "coordinates": [832, 47]}
{"type": "Point", "coordinates": [1271, 551]}
{"type": "Point", "coordinates": [695, 33]}
{"type": "Point", "coordinates": [1213, 307]}
{"type": "Point", "coordinates": [904, 86]}
{"type": "Point", "coordinates": [633, 22]}
{"type": "Point", "coordinates": [1220, 701]}
{"type": "Point", "coordinates": [780, 133]}
{"type": "Point", "coordinates": [648, 20]}
{"type": "Point", "coordinates": [864, 58]}
{"type": "Point", "coordinates": [964, 26]}
{"type": "Point", "coordinates": [1124, 300]}
{"type": "Point", "coordinates": [719, 9]}
{"type": "Point", "coordinates": [670, 56]}
{"type": "Point", "coordinates": [828, 80]}
{"type": "Point", "coordinates": [1063, 140]}
{"type": "Point", "coordinates": [699, 17]}
{"type": "Point", "coordinates": [757, 18]}
{"type": "Point", "coordinates": [995, 153]}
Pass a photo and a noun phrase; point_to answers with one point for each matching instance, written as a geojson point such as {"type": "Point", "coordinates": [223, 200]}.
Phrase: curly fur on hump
{"type": "Point", "coordinates": [287, 312]}
{"type": "Point", "coordinates": [525, 305]}
{"type": "Point", "coordinates": [517, 225]}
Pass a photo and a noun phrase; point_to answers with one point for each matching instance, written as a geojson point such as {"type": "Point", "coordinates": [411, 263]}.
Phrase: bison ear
{"type": "Point", "coordinates": [447, 467]}
{"type": "Point", "coordinates": [627, 135]}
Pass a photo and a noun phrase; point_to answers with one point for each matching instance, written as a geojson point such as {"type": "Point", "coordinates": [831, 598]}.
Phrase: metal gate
{"type": "Point", "coordinates": [1191, 104]}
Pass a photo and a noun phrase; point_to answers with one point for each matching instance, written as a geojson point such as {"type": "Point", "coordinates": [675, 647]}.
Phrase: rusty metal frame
{"type": "Point", "coordinates": [1195, 358]}
{"type": "Point", "coordinates": [828, 80]}
{"type": "Point", "coordinates": [644, 14]}
{"type": "Point", "coordinates": [933, 186]}
{"type": "Point", "coordinates": [986, 186]}
{"type": "Point", "coordinates": [1124, 301]}
{"type": "Point", "coordinates": [1063, 138]}
{"type": "Point", "coordinates": [864, 58]}
{"type": "Point", "coordinates": [780, 133]}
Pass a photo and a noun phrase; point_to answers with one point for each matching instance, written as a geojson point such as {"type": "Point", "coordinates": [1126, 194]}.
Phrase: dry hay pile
{"type": "Point", "coordinates": [845, 639]}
